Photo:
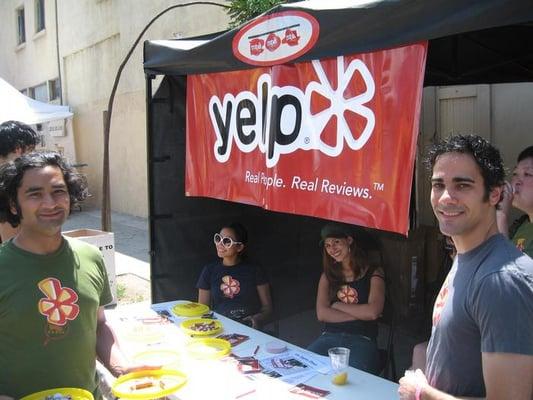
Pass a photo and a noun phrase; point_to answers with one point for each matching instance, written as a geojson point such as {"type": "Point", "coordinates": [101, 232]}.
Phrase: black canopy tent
{"type": "Point", "coordinates": [470, 42]}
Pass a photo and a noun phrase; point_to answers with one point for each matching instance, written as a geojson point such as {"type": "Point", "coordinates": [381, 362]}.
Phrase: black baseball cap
{"type": "Point", "coordinates": [334, 230]}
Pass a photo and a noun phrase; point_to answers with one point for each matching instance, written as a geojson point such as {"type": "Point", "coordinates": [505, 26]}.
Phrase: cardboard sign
{"type": "Point", "coordinates": [331, 138]}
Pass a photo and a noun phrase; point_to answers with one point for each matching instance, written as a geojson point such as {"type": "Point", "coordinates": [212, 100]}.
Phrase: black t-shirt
{"type": "Point", "coordinates": [355, 292]}
{"type": "Point", "coordinates": [233, 288]}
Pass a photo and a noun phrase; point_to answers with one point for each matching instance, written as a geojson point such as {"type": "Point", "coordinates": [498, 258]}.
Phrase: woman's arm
{"type": "Point", "coordinates": [265, 298]}
{"type": "Point", "coordinates": [376, 300]}
{"type": "Point", "coordinates": [204, 297]}
{"type": "Point", "coordinates": [324, 311]}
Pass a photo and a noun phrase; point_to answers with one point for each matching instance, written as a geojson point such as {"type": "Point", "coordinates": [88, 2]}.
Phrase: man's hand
{"type": "Point", "coordinates": [118, 370]}
{"type": "Point", "coordinates": [504, 208]}
{"type": "Point", "coordinates": [411, 384]}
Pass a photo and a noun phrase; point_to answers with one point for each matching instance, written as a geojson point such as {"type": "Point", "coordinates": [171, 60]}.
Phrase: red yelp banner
{"type": "Point", "coordinates": [333, 138]}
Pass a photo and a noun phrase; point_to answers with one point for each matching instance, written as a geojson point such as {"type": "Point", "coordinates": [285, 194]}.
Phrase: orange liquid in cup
{"type": "Point", "coordinates": [339, 378]}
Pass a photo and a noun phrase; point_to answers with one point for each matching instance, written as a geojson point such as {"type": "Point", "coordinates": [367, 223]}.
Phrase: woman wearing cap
{"type": "Point", "coordinates": [519, 193]}
{"type": "Point", "coordinates": [350, 298]}
{"type": "Point", "coordinates": [231, 286]}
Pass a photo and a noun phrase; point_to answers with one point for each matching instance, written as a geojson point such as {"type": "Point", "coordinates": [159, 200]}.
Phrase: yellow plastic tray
{"type": "Point", "coordinates": [144, 334]}
{"type": "Point", "coordinates": [190, 309]}
{"type": "Point", "coordinates": [158, 357]}
{"type": "Point", "coordinates": [173, 381]}
{"type": "Point", "coordinates": [208, 348]}
{"type": "Point", "coordinates": [76, 394]}
{"type": "Point", "coordinates": [188, 326]}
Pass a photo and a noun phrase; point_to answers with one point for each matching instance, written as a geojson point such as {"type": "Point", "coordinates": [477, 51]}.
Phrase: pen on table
{"type": "Point", "coordinates": [245, 394]}
{"type": "Point", "coordinates": [256, 350]}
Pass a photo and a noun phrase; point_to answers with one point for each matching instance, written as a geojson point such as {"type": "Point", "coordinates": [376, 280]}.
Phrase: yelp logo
{"type": "Point", "coordinates": [279, 119]}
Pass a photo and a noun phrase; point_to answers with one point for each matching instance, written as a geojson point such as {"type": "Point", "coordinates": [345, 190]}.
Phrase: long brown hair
{"type": "Point", "coordinates": [361, 257]}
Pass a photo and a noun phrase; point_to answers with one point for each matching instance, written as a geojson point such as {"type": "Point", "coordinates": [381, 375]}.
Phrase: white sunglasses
{"type": "Point", "coordinates": [226, 241]}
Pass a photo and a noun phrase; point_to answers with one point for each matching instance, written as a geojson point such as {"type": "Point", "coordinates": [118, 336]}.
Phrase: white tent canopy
{"type": "Point", "coordinates": [15, 106]}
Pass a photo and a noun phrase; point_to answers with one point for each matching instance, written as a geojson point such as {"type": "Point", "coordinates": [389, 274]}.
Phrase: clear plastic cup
{"type": "Point", "coordinates": [339, 356]}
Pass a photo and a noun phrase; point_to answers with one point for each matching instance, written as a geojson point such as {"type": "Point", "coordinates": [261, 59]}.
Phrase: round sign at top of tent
{"type": "Point", "coordinates": [276, 38]}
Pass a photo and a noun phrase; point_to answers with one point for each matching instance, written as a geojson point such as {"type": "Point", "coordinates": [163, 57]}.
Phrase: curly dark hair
{"type": "Point", "coordinates": [486, 156]}
{"type": "Point", "coordinates": [12, 173]}
{"type": "Point", "coordinates": [16, 135]}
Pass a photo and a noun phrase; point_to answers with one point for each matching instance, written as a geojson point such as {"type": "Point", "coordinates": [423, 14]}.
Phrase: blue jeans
{"type": "Point", "coordinates": [364, 353]}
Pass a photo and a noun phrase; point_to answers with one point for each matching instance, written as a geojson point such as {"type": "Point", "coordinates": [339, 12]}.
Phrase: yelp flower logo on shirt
{"type": "Point", "coordinates": [230, 287]}
{"type": "Point", "coordinates": [440, 302]}
{"type": "Point", "coordinates": [59, 306]}
{"type": "Point", "coordinates": [348, 295]}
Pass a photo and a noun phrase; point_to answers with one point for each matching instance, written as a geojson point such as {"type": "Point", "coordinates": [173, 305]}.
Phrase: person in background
{"type": "Point", "coordinates": [519, 194]}
{"type": "Point", "coordinates": [350, 298]}
{"type": "Point", "coordinates": [52, 288]}
{"type": "Point", "coordinates": [233, 287]}
{"type": "Point", "coordinates": [482, 324]}
{"type": "Point", "coordinates": [16, 139]}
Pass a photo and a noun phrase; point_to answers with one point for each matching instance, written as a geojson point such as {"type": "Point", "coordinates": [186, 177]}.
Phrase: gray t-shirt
{"type": "Point", "coordinates": [485, 305]}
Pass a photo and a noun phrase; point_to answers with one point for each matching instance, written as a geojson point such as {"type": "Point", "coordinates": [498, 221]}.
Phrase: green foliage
{"type": "Point", "coordinates": [241, 11]}
{"type": "Point", "coordinates": [121, 291]}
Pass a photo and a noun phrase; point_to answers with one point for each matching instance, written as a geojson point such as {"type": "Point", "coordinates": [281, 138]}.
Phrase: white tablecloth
{"type": "Point", "coordinates": [215, 379]}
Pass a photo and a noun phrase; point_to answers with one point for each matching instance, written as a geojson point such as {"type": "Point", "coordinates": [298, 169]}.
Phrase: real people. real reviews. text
{"type": "Point", "coordinates": [321, 185]}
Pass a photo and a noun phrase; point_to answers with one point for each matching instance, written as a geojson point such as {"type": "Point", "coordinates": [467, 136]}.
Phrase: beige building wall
{"type": "Point", "coordinates": [95, 36]}
{"type": "Point", "coordinates": [34, 62]}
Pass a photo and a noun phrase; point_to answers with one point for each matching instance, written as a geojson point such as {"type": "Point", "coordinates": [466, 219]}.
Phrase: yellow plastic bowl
{"type": "Point", "coordinates": [144, 334]}
{"type": "Point", "coordinates": [188, 326]}
{"type": "Point", "coordinates": [174, 379]}
{"type": "Point", "coordinates": [208, 348]}
{"type": "Point", "coordinates": [76, 394]}
{"type": "Point", "coordinates": [158, 357]}
{"type": "Point", "coordinates": [190, 309]}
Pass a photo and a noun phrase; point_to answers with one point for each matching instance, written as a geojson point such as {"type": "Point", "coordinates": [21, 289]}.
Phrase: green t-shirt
{"type": "Point", "coordinates": [523, 238]}
{"type": "Point", "coordinates": [48, 317]}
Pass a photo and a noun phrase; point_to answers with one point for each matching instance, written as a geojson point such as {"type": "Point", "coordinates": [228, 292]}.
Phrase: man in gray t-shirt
{"type": "Point", "coordinates": [480, 307]}
{"type": "Point", "coordinates": [482, 338]}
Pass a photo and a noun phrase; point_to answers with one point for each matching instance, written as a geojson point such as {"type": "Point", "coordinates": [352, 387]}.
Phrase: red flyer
{"type": "Point", "coordinates": [309, 391]}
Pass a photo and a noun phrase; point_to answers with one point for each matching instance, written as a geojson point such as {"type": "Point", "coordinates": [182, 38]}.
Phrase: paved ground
{"type": "Point", "coordinates": [131, 251]}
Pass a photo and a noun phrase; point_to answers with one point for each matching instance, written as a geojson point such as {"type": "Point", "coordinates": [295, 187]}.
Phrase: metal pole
{"type": "Point", "coordinates": [106, 195]}
{"type": "Point", "coordinates": [106, 192]}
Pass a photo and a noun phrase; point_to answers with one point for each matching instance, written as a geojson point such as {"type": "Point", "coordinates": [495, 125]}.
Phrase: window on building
{"type": "Point", "coordinates": [54, 89]}
{"type": "Point", "coordinates": [39, 15]}
{"type": "Point", "coordinates": [39, 92]}
{"type": "Point", "coordinates": [24, 92]}
{"type": "Point", "coordinates": [21, 26]}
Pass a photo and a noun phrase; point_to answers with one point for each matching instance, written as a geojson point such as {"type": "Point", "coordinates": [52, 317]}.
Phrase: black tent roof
{"type": "Point", "coordinates": [476, 41]}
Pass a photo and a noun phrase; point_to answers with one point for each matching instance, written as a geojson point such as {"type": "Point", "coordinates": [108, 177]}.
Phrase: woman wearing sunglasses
{"type": "Point", "coordinates": [231, 286]}
{"type": "Point", "coordinates": [350, 298]}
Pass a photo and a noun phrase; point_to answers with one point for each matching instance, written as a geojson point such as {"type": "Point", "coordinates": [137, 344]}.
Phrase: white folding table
{"type": "Point", "coordinates": [212, 379]}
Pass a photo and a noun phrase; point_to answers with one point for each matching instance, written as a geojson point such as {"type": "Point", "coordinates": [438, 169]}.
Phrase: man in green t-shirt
{"type": "Point", "coordinates": [519, 194]}
{"type": "Point", "coordinates": [52, 288]}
